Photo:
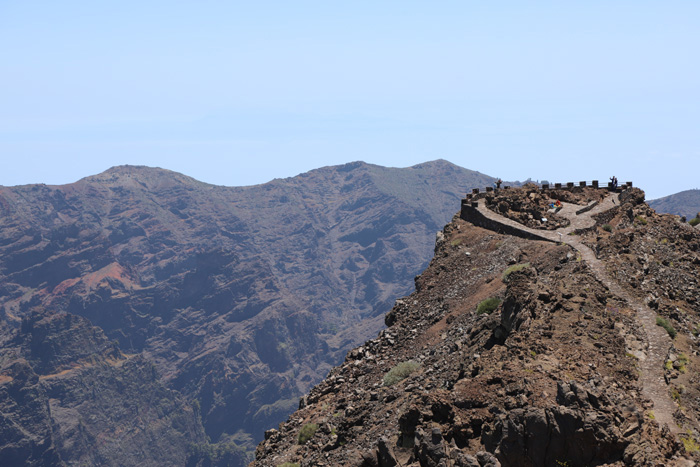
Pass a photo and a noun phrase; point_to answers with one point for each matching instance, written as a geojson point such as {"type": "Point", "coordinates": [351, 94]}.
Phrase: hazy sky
{"type": "Point", "coordinates": [238, 93]}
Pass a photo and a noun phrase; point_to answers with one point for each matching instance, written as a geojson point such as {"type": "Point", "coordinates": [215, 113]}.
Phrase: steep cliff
{"type": "Point", "coordinates": [69, 396]}
{"type": "Point", "coordinates": [524, 347]}
{"type": "Point", "coordinates": [241, 298]}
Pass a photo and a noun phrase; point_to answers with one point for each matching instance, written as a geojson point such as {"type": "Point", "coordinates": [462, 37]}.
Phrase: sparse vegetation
{"type": "Point", "coordinates": [651, 415]}
{"type": "Point", "coordinates": [640, 220]}
{"type": "Point", "coordinates": [456, 242]}
{"type": "Point", "coordinates": [689, 442]}
{"type": "Point", "coordinates": [307, 432]}
{"type": "Point", "coordinates": [607, 227]}
{"type": "Point", "coordinates": [663, 322]}
{"type": "Point", "coordinates": [682, 362]}
{"type": "Point", "coordinates": [694, 221]}
{"type": "Point", "coordinates": [289, 464]}
{"type": "Point", "coordinates": [400, 372]}
{"type": "Point", "coordinates": [514, 268]}
{"type": "Point", "coordinates": [488, 306]}
{"type": "Point", "coordinates": [675, 395]}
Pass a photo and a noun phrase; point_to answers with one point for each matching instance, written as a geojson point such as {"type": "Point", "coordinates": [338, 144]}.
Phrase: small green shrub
{"type": "Point", "coordinates": [675, 395]}
{"type": "Point", "coordinates": [690, 444]}
{"type": "Point", "coordinates": [307, 432]}
{"type": "Point", "coordinates": [607, 227]}
{"type": "Point", "coordinates": [683, 362]}
{"type": "Point", "coordinates": [488, 306]}
{"type": "Point", "coordinates": [289, 464]}
{"type": "Point", "coordinates": [640, 220]}
{"type": "Point", "coordinates": [663, 322]}
{"type": "Point", "coordinates": [400, 372]}
{"type": "Point", "coordinates": [514, 268]}
{"type": "Point", "coordinates": [694, 221]}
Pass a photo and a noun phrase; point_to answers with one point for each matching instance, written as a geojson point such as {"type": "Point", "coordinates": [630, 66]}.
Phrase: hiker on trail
{"type": "Point", "coordinates": [613, 179]}
{"type": "Point", "coordinates": [498, 183]}
{"type": "Point", "coordinates": [558, 204]}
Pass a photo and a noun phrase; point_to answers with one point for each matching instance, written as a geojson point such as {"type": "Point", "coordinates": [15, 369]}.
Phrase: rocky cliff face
{"type": "Point", "coordinates": [518, 350]}
{"type": "Point", "coordinates": [236, 300]}
{"type": "Point", "coordinates": [69, 396]}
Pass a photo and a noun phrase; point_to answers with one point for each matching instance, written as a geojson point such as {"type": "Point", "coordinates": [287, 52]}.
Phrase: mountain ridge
{"type": "Point", "coordinates": [684, 203]}
{"type": "Point", "coordinates": [523, 348]}
{"type": "Point", "coordinates": [200, 279]}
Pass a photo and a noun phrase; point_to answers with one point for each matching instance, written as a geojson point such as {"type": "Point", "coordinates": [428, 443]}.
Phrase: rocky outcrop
{"type": "Point", "coordinates": [515, 352]}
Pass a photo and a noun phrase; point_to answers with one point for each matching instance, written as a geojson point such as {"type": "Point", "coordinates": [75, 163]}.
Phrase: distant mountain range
{"type": "Point", "coordinates": [685, 203]}
{"type": "Point", "coordinates": [145, 312]}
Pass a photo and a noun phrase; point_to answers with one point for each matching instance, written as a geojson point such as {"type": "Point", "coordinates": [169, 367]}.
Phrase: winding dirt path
{"type": "Point", "coordinates": [658, 342]}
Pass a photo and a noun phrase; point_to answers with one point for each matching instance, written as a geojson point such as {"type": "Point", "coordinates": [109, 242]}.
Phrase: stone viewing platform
{"type": "Point", "coordinates": [477, 193]}
{"type": "Point", "coordinates": [538, 207]}
{"type": "Point", "coordinates": [545, 188]}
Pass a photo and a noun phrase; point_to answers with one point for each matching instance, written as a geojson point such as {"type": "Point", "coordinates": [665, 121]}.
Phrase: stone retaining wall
{"type": "Point", "coordinates": [471, 214]}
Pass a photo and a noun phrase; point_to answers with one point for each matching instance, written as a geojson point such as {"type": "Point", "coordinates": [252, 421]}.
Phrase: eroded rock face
{"type": "Point", "coordinates": [69, 396]}
{"type": "Point", "coordinates": [242, 298]}
{"type": "Point", "coordinates": [550, 377]}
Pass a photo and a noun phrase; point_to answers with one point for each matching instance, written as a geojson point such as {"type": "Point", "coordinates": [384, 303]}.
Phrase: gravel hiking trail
{"type": "Point", "coordinates": [651, 362]}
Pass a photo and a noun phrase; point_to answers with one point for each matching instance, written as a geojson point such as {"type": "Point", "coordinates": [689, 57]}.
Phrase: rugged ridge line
{"type": "Point", "coordinates": [241, 297]}
{"type": "Point", "coordinates": [570, 368]}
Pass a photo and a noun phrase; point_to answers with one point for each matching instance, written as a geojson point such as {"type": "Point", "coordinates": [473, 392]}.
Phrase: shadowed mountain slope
{"type": "Point", "coordinates": [242, 298]}
{"type": "Point", "coordinates": [685, 203]}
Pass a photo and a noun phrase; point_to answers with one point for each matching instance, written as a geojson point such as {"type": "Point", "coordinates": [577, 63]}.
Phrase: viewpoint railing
{"type": "Point", "coordinates": [477, 194]}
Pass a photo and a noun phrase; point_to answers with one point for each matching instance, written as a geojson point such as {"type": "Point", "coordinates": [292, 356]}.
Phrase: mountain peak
{"type": "Point", "coordinates": [145, 176]}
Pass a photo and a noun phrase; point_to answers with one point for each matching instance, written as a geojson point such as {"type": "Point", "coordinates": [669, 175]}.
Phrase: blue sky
{"type": "Point", "coordinates": [238, 93]}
